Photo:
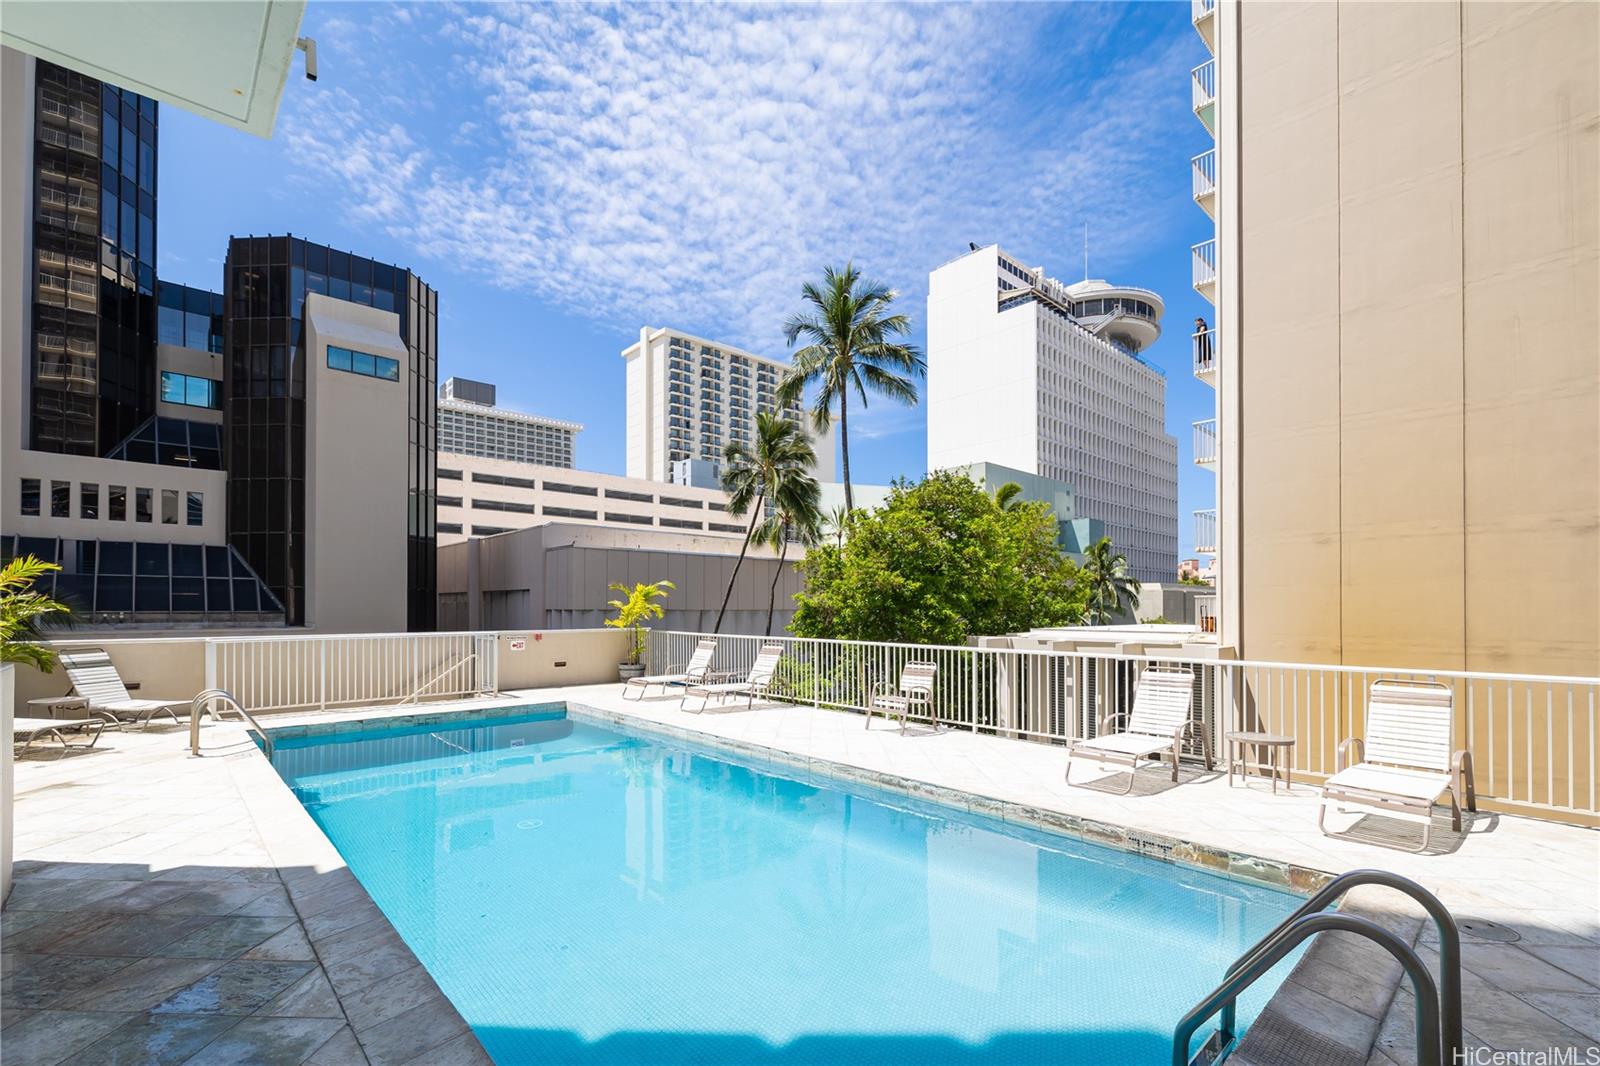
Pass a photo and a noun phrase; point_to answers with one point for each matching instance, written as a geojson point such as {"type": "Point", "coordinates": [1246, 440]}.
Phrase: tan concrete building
{"type": "Point", "coordinates": [1407, 272]}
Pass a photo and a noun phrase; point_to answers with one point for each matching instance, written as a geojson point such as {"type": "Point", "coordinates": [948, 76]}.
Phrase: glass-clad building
{"type": "Point", "coordinates": [93, 360]}
{"type": "Point", "coordinates": [188, 317]}
{"type": "Point", "coordinates": [265, 284]}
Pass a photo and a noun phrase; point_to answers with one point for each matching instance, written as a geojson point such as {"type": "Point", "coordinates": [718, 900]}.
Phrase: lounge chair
{"type": "Point", "coordinates": [1157, 724]}
{"type": "Point", "coordinates": [696, 670]}
{"type": "Point", "coordinates": [95, 678]}
{"type": "Point", "coordinates": [1405, 764]}
{"type": "Point", "coordinates": [913, 693]}
{"type": "Point", "coordinates": [25, 731]}
{"type": "Point", "coordinates": [757, 683]}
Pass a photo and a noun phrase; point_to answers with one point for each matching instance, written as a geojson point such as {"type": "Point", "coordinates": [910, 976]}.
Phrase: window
{"type": "Point", "coordinates": [448, 527]}
{"type": "Point", "coordinates": [364, 363]}
{"type": "Point", "coordinates": [448, 475]}
{"type": "Point", "coordinates": [196, 509]}
{"type": "Point", "coordinates": [448, 501]}
{"type": "Point", "coordinates": [715, 506]}
{"type": "Point", "coordinates": [503, 505]}
{"type": "Point", "coordinates": [679, 523]}
{"type": "Point", "coordinates": [191, 391]}
{"type": "Point", "coordinates": [635, 519]}
{"type": "Point", "coordinates": [567, 512]}
{"type": "Point", "coordinates": [88, 501]}
{"type": "Point", "coordinates": [488, 531]}
{"type": "Point", "coordinates": [60, 499]}
{"type": "Point", "coordinates": [500, 479]}
{"type": "Point", "coordinates": [30, 496]}
{"type": "Point", "coordinates": [674, 501]}
{"type": "Point", "coordinates": [725, 528]}
{"type": "Point", "coordinates": [117, 503]}
{"type": "Point", "coordinates": [143, 506]}
{"type": "Point", "coordinates": [619, 494]}
{"type": "Point", "coordinates": [577, 490]}
{"type": "Point", "coordinates": [169, 507]}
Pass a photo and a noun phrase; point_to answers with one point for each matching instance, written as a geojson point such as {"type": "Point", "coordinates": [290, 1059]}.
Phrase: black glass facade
{"type": "Point", "coordinates": [94, 247]}
{"type": "Point", "coordinates": [188, 317]}
{"type": "Point", "coordinates": [265, 283]}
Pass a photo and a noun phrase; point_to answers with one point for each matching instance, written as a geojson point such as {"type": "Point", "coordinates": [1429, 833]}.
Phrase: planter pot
{"type": "Point", "coordinates": [627, 670]}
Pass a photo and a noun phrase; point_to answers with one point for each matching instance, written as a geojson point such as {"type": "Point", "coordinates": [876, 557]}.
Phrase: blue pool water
{"type": "Point", "coordinates": [584, 895]}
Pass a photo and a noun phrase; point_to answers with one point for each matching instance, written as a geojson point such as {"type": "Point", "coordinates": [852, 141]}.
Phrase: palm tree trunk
{"type": "Point", "coordinates": [844, 449]}
{"type": "Point", "coordinates": [755, 516]}
{"type": "Point", "coordinates": [772, 594]}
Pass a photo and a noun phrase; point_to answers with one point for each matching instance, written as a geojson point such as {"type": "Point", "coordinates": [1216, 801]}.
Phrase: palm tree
{"type": "Point", "coordinates": [23, 610]}
{"type": "Point", "coordinates": [1111, 588]}
{"type": "Point", "coordinates": [796, 517]}
{"type": "Point", "coordinates": [837, 519]}
{"type": "Point", "coordinates": [781, 458]}
{"type": "Point", "coordinates": [852, 332]}
{"type": "Point", "coordinates": [1006, 496]}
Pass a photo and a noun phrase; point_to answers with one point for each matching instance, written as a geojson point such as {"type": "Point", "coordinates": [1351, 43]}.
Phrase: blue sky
{"type": "Point", "coordinates": [564, 174]}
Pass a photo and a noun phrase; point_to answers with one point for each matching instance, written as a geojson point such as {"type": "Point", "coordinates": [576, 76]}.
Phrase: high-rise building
{"type": "Point", "coordinates": [1408, 341]}
{"type": "Point", "coordinates": [471, 424]}
{"type": "Point", "coordinates": [1048, 378]}
{"type": "Point", "coordinates": [688, 398]}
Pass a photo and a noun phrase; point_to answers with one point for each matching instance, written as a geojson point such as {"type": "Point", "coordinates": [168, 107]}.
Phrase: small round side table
{"type": "Point", "coordinates": [1274, 743]}
{"type": "Point", "coordinates": [50, 704]}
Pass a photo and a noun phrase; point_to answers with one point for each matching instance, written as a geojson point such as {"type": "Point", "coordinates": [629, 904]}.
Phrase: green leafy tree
{"type": "Point", "coordinates": [937, 563]}
{"type": "Point", "coordinates": [22, 611]}
{"type": "Point", "coordinates": [1007, 495]}
{"type": "Point", "coordinates": [639, 607]}
{"type": "Point", "coordinates": [796, 517]}
{"type": "Point", "coordinates": [1111, 588]}
{"type": "Point", "coordinates": [777, 467]}
{"type": "Point", "coordinates": [852, 332]}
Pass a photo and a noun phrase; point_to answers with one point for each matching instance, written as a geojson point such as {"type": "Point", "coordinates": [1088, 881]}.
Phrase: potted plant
{"type": "Point", "coordinates": [632, 613]}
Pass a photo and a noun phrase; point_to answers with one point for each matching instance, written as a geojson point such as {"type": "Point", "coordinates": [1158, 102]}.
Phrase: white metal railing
{"type": "Point", "coordinates": [1205, 262]}
{"type": "Point", "coordinates": [1199, 9]}
{"type": "Point", "coordinates": [1205, 441]}
{"type": "Point", "coordinates": [1205, 350]}
{"type": "Point", "coordinates": [1203, 167]}
{"type": "Point", "coordinates": [276, 673]}
{"type": "Point", "coordinates": [1533, 738]}
{"type": "Point", "coordinates": [1205, 612]}
{"type": "Point", "coordinates": [1205, 531]}
{"type": "Point", "coordinates": [1203, 80]}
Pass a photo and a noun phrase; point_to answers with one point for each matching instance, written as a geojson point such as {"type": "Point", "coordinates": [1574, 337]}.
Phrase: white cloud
{"type": "Point", "coordinates": [691, 165]}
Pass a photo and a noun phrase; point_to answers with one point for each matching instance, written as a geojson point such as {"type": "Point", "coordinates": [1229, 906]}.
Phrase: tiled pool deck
{"type": "Point", "coordinates": [188, 910]}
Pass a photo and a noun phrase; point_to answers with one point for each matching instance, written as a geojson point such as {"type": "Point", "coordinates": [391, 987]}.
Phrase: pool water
{"type": "Point", "coordinates": [585, 895]}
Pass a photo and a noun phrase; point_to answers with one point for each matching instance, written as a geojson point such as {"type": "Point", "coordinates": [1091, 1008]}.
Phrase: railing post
{"type": "Point", "coordinates": [322, 678]}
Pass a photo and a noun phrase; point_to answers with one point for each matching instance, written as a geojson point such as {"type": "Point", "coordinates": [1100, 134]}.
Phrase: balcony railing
{"type": "Point", "coordinates": [1205, 352]}
{"type": "Point", "coordinates": [1204, 257]}
{"type": "Point", "coordinates": [1205, 442]}
{"type": "Point", "coordinates": [1204, 171]}
{"type": "Point", "coordinates": [1530, 736]}
{"type": "Point", "coordinates": [1203, 82]}
{"type": "Point", "coordinates": [1205, 532]}
{"type": "Point", "coordinates": [1205, 612]}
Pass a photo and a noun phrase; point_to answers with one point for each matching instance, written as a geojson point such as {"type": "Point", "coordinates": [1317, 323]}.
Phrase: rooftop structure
{"type": "Point", "coordinates": [471, 425]}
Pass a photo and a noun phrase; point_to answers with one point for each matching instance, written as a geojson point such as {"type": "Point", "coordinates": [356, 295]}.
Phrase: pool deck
{"type": "Point", "coordinates": [188, 910]}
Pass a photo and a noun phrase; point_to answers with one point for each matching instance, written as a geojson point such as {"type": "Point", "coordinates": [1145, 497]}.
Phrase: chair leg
{"type": "Point", "coordinates": [1427, 831]}
{"type": "Point", "coordinates": [1322, 813]}
{"type": "Point", "coordinates": [1455, 812]}
{"type": "Point", "coordinates": [1175, 745]}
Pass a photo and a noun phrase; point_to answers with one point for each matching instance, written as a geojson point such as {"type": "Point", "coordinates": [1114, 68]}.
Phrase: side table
{"type": "Point", "coordinates": [50, 704]}
{"type": "Point", "coordinates": [1273, 742]}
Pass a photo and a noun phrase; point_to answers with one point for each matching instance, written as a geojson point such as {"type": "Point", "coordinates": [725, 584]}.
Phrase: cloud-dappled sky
{"type": "Point", "coordinates": [564, 174]}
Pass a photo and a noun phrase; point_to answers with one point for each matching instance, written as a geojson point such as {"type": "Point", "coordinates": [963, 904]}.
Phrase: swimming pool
{"type": "Point", "coordinates": [586, 895]}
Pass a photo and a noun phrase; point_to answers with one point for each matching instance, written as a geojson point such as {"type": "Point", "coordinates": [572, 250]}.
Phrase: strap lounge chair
{"type": "Point", "coordinates": [758, 683]}
{"type": "Point", "coordinates": [1157, 724]}
{"type": "Point", "coordinates": [26, 731]}
{"type": "Point", "coordinates": [95, 678]}
{"type": "Point", "coordinates": [695, 671]}
{"type": "Point", "coordinates": [1405, 763]}
{"type": "Point", "coordinates": [913, 694]}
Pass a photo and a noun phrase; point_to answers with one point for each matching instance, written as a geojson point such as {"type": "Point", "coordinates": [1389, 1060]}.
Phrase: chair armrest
{"type": "Point", "coordinates": [1103, 721]}
{"type": "Point", "coordinates": [1341, 756]}
{"type": "Point", "coordinates": [883, 688]}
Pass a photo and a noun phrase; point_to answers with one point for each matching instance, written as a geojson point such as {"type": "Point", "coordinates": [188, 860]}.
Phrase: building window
{"type": "Point", "coordinates": [169, 507]}
{"type": "Point", "coordinates": [117, 503]}
{"type": "Point", "coordinates": [503, 505]}
{"type": "Point", "coordinates": [30, 496]}
{"type": "Point", "coordinates": [448, 527]}
{"type": "Point", "coordinates": [89, 501]}
{"type": "Point", "coordinates": [620, 494]}
{"type": "Point", "coordinates": [567, 512]}
{"type": "Point", "coordinates": [725, 528]}
{"type": "Point", "coordinates": [576, 490]}
{"type": "Point", "coordinates": [635, 519]}
{"type": "Point", "coordinates": [448, 475]}
{"type": "Point", "coordinates": [715, 506]}
{"type": "Point", "coordinates": [500, 479]}
{"type": "Point", "coordinates": [488, 531]}
{"type": "Point", "coordinates": [364, 363]}
{"type": "Point", "coordinates": [60, 499]}
{"type": "Point", "coordinates": [448, 501]}
{"type": "Point", "coordinates": [674, 501]}
{"type": "Point", "coordinates": [143, 510]}
{"type": "Point", "coordinates": [196, 509]}
{"type": "Point", "coordinates": [190, 390]}
{"type": "Point", "coordinates": [679, 523]}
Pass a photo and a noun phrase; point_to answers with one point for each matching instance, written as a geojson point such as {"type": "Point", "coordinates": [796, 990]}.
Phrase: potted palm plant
{"type": "Point", "coordinates": [639, 606]}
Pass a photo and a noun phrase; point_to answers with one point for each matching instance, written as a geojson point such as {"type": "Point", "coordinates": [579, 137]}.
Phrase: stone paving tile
{"type": "Point", "coordinates": [309, 997]}
{"type": "Point", "coordinates": [141, 985]}
{"type": "Point", "coordinates": [237, 987]}
{"type": "Point", "coordinates": [341, 1049]}
{"type": "Point", "coordinates": [412, 1034]}
{"type": "Point", "coordinates": [50, 1036]}
{"type": "Point", "coordinates": [228, 937]}
{"type": "Point", "coordinates": [155, 1039]}
{"type": "Point", "coordinates": [268, 1042]}
{"type": "Point", "coordinates": [36, 981]}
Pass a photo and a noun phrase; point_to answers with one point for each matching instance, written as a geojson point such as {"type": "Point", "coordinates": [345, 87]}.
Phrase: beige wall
{"type": "Point", "coordinates": [1413, 204]}
{"type": "Point", "coordinates": [161, 667]}
{"type": "Point", "coordinates": [561, 657]}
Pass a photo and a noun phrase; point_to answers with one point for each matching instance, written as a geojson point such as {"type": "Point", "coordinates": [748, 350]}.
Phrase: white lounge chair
{"type": "Point", "coordinates": [1405, 764]}
{"type": "Point", "coordinates": [696, 670]}
{"type": "Point", "coordinates": [95, 678]}
{"type": "Point", "coordinates": [1157, 724]}
{"type": "Point", "coordinates": [913, 694]}
{"type": "Point", "coordinates": [25, 731]}
{"type": "Point", "coordinates": [757, 683]}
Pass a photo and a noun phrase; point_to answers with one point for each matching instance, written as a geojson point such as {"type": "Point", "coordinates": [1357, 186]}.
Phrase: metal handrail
{"type": "Point", "coordinates": [1449, 947]}
{"type": "Point", "coordinates": [1285, 941]}
{"type": "Point", "coordinates": [221, 695]}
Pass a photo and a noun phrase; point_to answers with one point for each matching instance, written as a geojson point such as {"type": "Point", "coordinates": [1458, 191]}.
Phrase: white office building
{"type": "Point", "coordinates": [689, 398]}
{"type": "Point", "coordinates": [471, 424]}
{"type": "Point", "coordinates": [1047, 378]}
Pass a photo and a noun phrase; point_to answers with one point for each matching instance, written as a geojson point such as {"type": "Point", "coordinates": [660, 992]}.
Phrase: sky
{"type": "Point", "coordinates": [565, 174]}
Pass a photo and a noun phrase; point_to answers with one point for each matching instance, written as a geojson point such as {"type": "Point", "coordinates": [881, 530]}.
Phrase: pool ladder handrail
{"type": "Point", "coordinates": [1438, 1031]}
{"type": "Point", "coordinates": [221, 695]}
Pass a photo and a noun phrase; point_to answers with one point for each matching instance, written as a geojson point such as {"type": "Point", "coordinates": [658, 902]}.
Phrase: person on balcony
{"type": "Point", "coordinates": [1202, 342]}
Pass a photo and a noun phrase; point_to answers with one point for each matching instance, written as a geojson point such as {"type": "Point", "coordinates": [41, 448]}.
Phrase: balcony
{"type": "Point", "coordinates": [1205, 443]}
{"type": "Point", "coordinates": [1205, 610]}
{"type": "Point", "coordinates": [1204, 256]}
{"type": "Point", "coordinates": [1205, 355]}
{"type": "Point", "coordinates": [1203, 168]}
{"type": "Point", "coordinates": [1203, 82]}
{"type": "Point", "coordinates": [1205, 532]}
{"type": "Point", "coordinates": [1203, 13]}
